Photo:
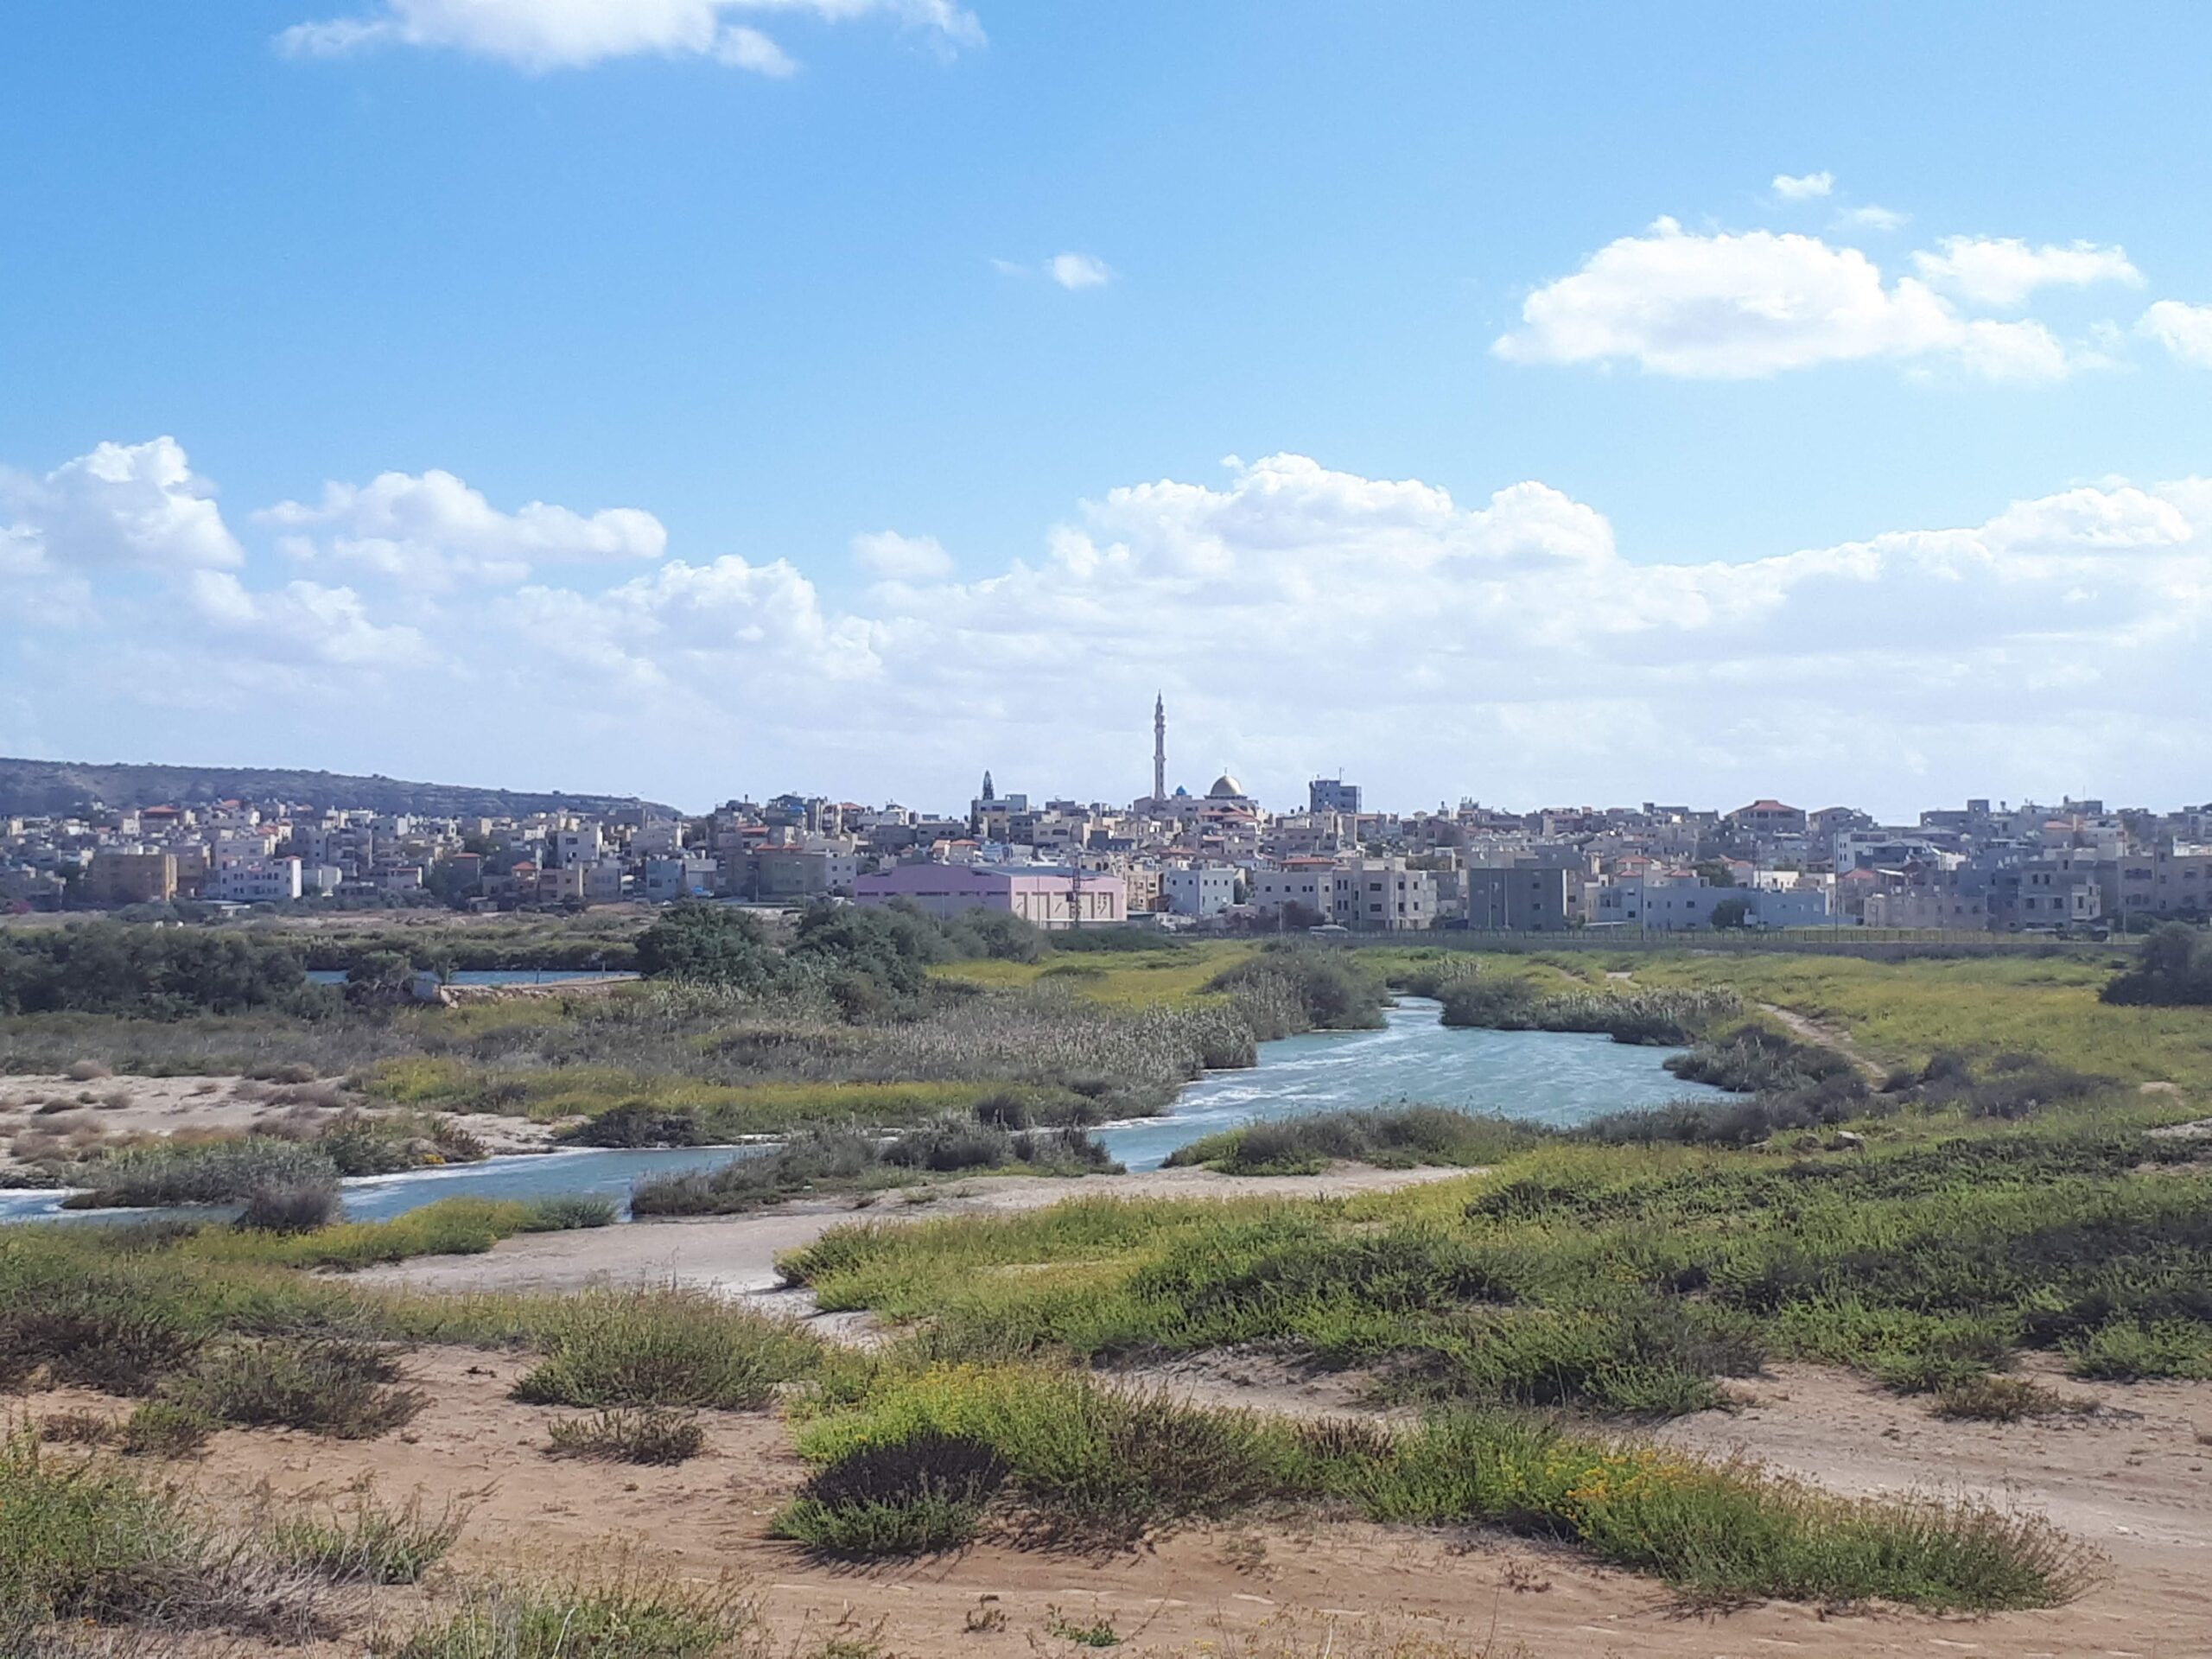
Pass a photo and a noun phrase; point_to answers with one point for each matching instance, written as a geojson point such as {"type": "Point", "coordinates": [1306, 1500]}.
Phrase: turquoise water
{"type": "Point", "coordinates": [1559, 1078]}
{"type": "Point", "coordinates": [1541, 1077]}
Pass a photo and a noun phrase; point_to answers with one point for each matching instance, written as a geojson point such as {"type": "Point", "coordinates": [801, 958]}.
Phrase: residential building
{"type": "Point", "coordinates": [1045, 895]}
{"type": "Point", "coordinates": [1199, 890]}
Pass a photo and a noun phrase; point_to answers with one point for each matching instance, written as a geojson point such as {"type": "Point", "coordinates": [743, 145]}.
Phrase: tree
{"type": "Point", "coordinates": [710, 942]}
{"type": "Point", "coordinates": [1733, 913]}
{"type": "Point", "coordinates": [378, 980]}
{"type": "Point", "coordinates": [2173, 970]}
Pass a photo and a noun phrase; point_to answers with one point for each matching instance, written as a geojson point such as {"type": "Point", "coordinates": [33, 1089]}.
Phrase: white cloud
{"type": "Point", "coordinates": [1872, 217]}
{"type": "Point", "coordinates": [1078, 270]}
{"type": "Point", "coordinates": [1803, 187]}
{"type": "Point", "coordinates": [127, 505]}
{"type": "Point", "coordinates": [894, 557]}
{"type": "Point", "coordinates": [1299, 616]}
{"type": "Point", "coordinates": [2003, 272]}
{"type": "Point", "coordinates": [2184, 330]}
{"type": "Point", "coordinates": [539, 35]}
{"type": "Point", "coordinates": [303, 620]}
{"type": "Point", "coordinates": [433, 530]}
{"type": "Point", "coordinates": [1737, 305]}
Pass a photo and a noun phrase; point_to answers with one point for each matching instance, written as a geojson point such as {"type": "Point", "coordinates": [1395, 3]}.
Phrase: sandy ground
{"type": "Point", "coordinates": [118, 1108]}
{"type": "Point", "coordinates": [1264, 1587]}
{"type": "Point", "coordinates": [736, 1255]}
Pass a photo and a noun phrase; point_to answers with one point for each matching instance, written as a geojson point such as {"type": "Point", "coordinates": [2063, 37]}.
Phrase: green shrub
{"type": "Point", "coordinates": [1401, 1137]}
{"type": "Point", "coordinates": [293, 1206]}
{"type": "Point", "coordinates": [570, 1211]}
{"type": "Point", "coordinates": [97, 1338]}
{"type": "Point", "coordinates": [92, 1540]}
{"type": "Point", "coordinates": [1083, 1460]}
{"type": "Point", "coordinates": [672, 1348]}
{"type": "Point", "coordinates": [851, 1160]}
{"type": "Point", "coordinates": [624, 1434]}
{"type": "Point", "coordinates": [219, 1171]}
{"type": "Point", "coordinates": [364, 1541]}
{"type": "Point", "coordinates": [2126, 1351]}
{"type": "Point", "coordinates": [911, 1496]}
{"type": "Point", "coordinates": [327, 1385]}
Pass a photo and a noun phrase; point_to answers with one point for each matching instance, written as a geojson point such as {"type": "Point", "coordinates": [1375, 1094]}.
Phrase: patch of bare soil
{"type": "Point", "coordinates": [1264, 1587]}
{"type": "Point", "coordinates": [112, 1110]}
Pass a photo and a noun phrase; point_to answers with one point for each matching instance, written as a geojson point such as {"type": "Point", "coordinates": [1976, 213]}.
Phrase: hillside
{"type": "Point", "coordinates": [52, 786]}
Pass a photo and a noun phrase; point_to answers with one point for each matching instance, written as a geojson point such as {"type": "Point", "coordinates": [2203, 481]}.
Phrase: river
{"type": "Point", "coordinates": [1541, 1077]}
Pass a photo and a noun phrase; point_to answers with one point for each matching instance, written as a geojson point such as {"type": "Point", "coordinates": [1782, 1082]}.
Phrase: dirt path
{"type": "Point", "coordinates": [1820, 1032]}
{"type": "Point", "coordinates": [1261, 1589]}
{"type": "Point", "coordinates": [736, 1254]}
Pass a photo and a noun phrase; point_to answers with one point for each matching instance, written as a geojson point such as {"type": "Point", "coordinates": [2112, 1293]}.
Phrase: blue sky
{"type": "Point", "coordinates": [760, 279]}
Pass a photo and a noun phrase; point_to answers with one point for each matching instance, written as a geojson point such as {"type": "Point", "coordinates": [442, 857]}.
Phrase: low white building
{"type": "Point", "coordinates": [1201, 890]}
{"type": "Point", "coordinates": [255, 881]}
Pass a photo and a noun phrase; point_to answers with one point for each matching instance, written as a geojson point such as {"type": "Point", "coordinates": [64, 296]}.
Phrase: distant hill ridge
{"type": "Point", "coordinates": [42, 787]}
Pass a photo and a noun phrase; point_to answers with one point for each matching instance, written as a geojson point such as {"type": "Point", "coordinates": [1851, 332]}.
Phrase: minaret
{"type": "Point", "coordinates": [1159, 747]}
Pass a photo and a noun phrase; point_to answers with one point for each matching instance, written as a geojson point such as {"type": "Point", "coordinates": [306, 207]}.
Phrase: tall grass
{"type": "Point", "coordinates": [849, 1160]}
{"type": "Point", "coordinates": [361, 1539]}
{"type": "Point", "coordinates": [671, 1347]}
{"type": "Point", "coordinates": [85, 1540]}
{"type": "Point", "coordinates": [630, 1618]}
{"type": "Point", "coordinates": [1401, 1137]}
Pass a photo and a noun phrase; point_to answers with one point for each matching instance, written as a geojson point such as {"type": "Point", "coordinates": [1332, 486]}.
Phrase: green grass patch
{"type": "Point", "coordinates": [363, 1539]}
{"type": "Point", "coordinates": [1067, 1456]}
{"type": "Point", "coordinates": [665, 1348]}
{"type": "Point", "coordinates": [326, 1385]}
{"type": "Point", "coordinates": [821, 1161]}
{"type": "Point", "coordinates": [1399, 1137]}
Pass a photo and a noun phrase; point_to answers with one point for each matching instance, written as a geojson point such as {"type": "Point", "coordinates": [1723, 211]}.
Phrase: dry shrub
{"type": "Point", "coordinates": [624, 1435]}
{"type": "Point", "coordinates": [76, 1428]}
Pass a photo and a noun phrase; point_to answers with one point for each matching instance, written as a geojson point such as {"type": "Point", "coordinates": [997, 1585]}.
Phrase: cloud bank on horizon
{"type": "Point", "coordinates": [1291, 610]}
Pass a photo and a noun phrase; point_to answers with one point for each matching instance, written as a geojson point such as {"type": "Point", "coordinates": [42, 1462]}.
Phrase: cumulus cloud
{"type": "Point", "coordinates": [894, 557]}
{"type": "Point", "coordinates": [1803, 187]}
{"type": "Point", "coordinates": [539, 35]}
{"type": "Point", "coordinates": [2003, 272]}
{"type": "Point", "coordinates": [122, 505]}
{"type": "Point", "coordinates": [1078, 270]}
{"type": "Point", "coordinates": [1296, 614]}
{"type": "Point", "coordinates": [1738, 306]}
{"type": "Point", "coordinates": [303, 619]}
{"type": "Point", "coordinates": [2184, 330]}
{"type": "Point", "coordinates": [434, 529]}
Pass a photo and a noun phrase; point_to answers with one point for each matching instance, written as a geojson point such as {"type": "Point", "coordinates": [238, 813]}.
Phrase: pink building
{"type": "Point", "coordinates": [1044, 894]}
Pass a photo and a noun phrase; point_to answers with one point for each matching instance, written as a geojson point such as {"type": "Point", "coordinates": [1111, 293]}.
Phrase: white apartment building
{"type": "Point", "coordinates": [256, 881]}
{"type": "Point", "coordinates": [1202, 890]}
